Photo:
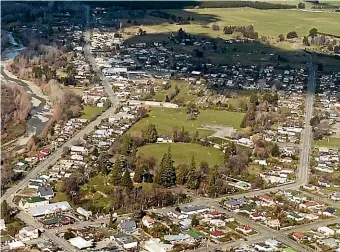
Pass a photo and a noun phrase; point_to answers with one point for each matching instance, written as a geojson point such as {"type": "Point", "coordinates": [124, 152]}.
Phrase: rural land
{"type": "Point", "coordinates": [154, 126]}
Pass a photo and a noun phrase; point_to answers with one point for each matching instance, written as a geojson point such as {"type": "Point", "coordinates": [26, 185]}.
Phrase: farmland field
{"type": "Point", "coordinates": [166, 119]}
{"type": "Point", "coordinates": [183, 152]}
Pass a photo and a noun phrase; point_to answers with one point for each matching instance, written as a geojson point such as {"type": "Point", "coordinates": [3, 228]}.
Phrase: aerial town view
{"type": "Point", "coordinates": [168, 126]}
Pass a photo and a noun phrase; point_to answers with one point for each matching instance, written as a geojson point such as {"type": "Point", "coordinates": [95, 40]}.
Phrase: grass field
{"type": "Point", "coordinates": [269, 23]}
{"type": "Point", "coordinates": [183, 94]}
{"type": "Point", "coordinates": [183, 152]}
{"type": "Point", "coordinates": [90, 112]}
{"type": "Point", "coordinates": [331, 142]}
{"type": "Point", "coordinates": [166, 119]}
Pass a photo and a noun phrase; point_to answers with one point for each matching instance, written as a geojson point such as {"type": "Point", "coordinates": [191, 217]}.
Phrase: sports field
{"type": "Point", "coordinates": [331, 142]}
{"type": "Point", "coordinates": [166, 119]}
{"type": "Point", "coordinates": [183, 152]}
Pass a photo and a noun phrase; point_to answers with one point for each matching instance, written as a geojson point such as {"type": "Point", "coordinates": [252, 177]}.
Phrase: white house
{"type": "Point", "coordinates": [326, 231]}
{"type": "Point", "coordinates": [154, 245]}
{"type": "Point", "coordinates": [16, 245]}
{"type": "Point", "coordinates": [28, 233]}
{"type": "Point", "coordinates": [79, 149]}
{"type": "Point", "coordinates": [80, 242]}
{"type": "Point", "coordinates": [177, 215]}
{"type": "Point", "coordinates": [84, 212]}
{"type": "Point", "coordinates": [217, 223]}
{"type": "Point", "coordinates": [126, 241]}
{"type": "Point", "coordinates": [2, 225]}
{"type": "Point", "coordinates": [32, 202]}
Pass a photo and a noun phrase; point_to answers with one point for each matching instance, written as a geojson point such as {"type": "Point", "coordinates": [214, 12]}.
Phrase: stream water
{"type": "Point", "coordinates": [40, 112]}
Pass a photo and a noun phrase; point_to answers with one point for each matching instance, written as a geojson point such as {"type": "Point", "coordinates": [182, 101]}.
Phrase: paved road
{"type": "Point", "coordinates": [87, 51]}
{"type": "Point", "coordinates": [54, 157]}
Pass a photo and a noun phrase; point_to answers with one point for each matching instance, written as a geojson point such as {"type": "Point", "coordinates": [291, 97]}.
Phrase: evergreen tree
{"type": "Point", "coordinates": [150, 134]}
{"type": "Point", "coordinates": [193, 177]}
{"type": "Point", "coordinates": [116, 173]}
{"type": "Point", "coordinates": [126, 145]}
{"type": "Point", "coordinates": [195, 137]}
{"type": "Point", "coordinates": [275, 150]}
{"type": "Point", "coordinates": [212, 184]}
{"type": "Point", "coordinates": [4, 211]}
{"type": "Point", "coordinates": [95, 152]}
{"type": "Point", "coordinates": [182, 173]}
{"type": "Point", "coordinates": [194, 221]}
{"type": "Point", "coordinates": [139, 172]}
{"type": "Point", "coordinates": [166, 174]}
{"type": "Point", "coordinates": [126, 180]}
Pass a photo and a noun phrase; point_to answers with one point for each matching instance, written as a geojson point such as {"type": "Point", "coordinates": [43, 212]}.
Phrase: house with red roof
{"type": "Point", "coordinates": [40, 156]}
{"type": "Point", "coordinates": [298, 236]}
{"type": "Point", "coordinates": [217, 234]}
{"type": "Point", "coordinates": [147, 221]}
{"type": "Point", "coordinates": [311, 205]}
{"type": "Point", "coordinates": [46, 151]}
{"type": "Point", "coordinates": [212, 214]}
{"type": "Point", "coordinates": [257, 216]}
{"type": "Point", "coordinates": [245, 229]}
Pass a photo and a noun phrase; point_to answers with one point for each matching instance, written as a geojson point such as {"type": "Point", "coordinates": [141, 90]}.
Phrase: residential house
{"type": "Point", "coordinates": [83, 212]}
{"type": "Point", "coordinates": [155, 245]}
{"type": "Point", "coordinates": [326, 231]}
{"type": "Point", "coordinates": [329, 211]}
{"type": "Point", "coordinates": [217, 223]}
{"type": "Point", "coordinates": [2, 225]}
{"type": "Point", "coordinates": [25, 203]}
{"type": "Point", "coordinates": [295, 216]}
{"type": "Point", "coordinates": [80, 243]}
{"type": "Point", "coordinates": [298, 236]}
{"type": "Point", "coordinates": [245, 229]}
{"type": "Point", "coordinates": [128, 227]}
{"type": "Point", "coordinates": [45, 192]}
{"type": "Point", "coordinates": [217, 234]}
{"type": "Point", "coordinates": [190, 210]}
{"type": "Point", "coordinates": [148, 221]}
{"type": "Point", "coordinates": [126, 241]}
{"type": "Point", "coordinates": [178, 215]}
{"type": "Point", "coordinates": [28, 233]}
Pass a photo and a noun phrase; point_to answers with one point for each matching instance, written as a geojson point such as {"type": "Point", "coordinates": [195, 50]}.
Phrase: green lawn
{"type": "Point", "coordinates": [183, 152]}
{"type": "Point", "coordinates": [166, 119]}
{"type": "Point", "coordinates": [266, 22]}
{"type": "Point", "coordinates": [331, 142]}
{"type": "Point", "coordinates": [90, 112]}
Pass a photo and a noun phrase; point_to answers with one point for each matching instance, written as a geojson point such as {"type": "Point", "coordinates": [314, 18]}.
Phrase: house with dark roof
{"type": "Point", "coordinates": [127, 227]}
{"type": "Point", "coordinates": [45, 192]}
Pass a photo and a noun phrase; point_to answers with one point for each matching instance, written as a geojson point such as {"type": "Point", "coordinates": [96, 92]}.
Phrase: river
{"type": "Point", "coordinates": [41, 110]}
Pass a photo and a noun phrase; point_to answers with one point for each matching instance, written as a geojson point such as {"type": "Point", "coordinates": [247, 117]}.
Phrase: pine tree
{"type": "Point", "coordinates": [126, 180]}
{"type": "Point", "coordinates": [116, 173]}
{"type": "Point", "coordinates": [193, 178]}
{"type": "Point", "coordinates": [182, 173]}
{"type": "Point", "coordinates": [150, 134]}
{"type": "Point", "coordinates": [275, 150]}
{"type": "Point", "coordinates": [166, 174]}
{"type": "Point", "coordinates": [126, 145]}
{"type": "Point", "coordinates": [139, 172]}
{"type": "Point", "coordinates": [95, 152]}
{"type": "Point", "coordinates": [212, 185]}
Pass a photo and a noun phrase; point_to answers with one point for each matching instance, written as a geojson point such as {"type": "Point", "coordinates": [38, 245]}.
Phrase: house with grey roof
{"type": "Point", "coordinates": [45, 192]}
{"type": "Point", "coordinates": [128, 227]}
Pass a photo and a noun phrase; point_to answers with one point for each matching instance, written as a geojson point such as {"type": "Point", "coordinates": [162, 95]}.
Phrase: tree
{"type": "Point", "coordinates": [150, 134]}
{"type": "Point", "coordinates": [166, 174]}
{"type": "Point", "coordinates": [126, 144]}
{"type": "Point", "coordinates": [320, 67]}
{"type": "Point", "coordinates": [275, 151]}
{"type": "Point", "coordinates": [281, 37]}
{"type": "Point", "coordinates": [291, 35]}
{"type": "Point", "coordinates": [116, 173]}
{"type": "Point", "coordinates": [195, 137]}
{"type": "Point", "coordinates": [313, 32]}
{"type": "Point", "coordinates": [301, 5]}
{"type": "Point", "coordinates": [305, 41]}
{"type": "Point", "coordinates": [4, 211]}
{"type": "Point", "coordinates": [126, 180]}
{"type": "Point", "coordinates": [314, 121]}
{"type": "Point", "coordinates": [139, 173]}
{"type": "Point", "coordinates": [194, 221]}
{"type": "Point", "coordinates": [193, 176]}
{"type": "Point", "coordinates": [212, 185]}
{"type": "Point", "coordinates": [95, 152]}
{"type": "Point", "coordinates": [191, 108]}
{"type": "Point", "coordinates": [204, 167]}
{"type": "Point", "coordinates": [181, 174]}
